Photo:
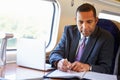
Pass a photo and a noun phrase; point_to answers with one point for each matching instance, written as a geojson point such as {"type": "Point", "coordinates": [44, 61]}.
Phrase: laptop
{"type": "Point", "coordinates": [31, 53]}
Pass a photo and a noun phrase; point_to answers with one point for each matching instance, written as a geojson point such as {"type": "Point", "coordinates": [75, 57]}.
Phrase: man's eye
{"type": "Point", "coordinates": [89, 22]}
{"type": "Point", "coordinates": [81, 22]}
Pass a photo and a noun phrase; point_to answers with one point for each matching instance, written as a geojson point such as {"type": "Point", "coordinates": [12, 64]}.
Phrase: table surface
{"type": "Point", "coordinates": [12, 71]}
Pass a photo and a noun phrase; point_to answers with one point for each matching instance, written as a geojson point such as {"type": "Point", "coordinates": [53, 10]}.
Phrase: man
{"type": "Point", "coordinates": [97, 53]}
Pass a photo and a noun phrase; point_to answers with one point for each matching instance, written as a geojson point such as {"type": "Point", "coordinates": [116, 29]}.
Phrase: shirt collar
{"type": "Point", "coordinates": [83, 36]}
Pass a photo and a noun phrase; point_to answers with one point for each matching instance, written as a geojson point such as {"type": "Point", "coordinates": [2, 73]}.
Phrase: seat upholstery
{"type": "Point", "coordinates": [117, 63]}
{"type": "Point", "coordinates": [114, 30]}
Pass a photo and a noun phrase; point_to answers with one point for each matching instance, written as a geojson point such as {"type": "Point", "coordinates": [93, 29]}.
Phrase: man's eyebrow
{"type": "Point", "coordinates": [89, 20]}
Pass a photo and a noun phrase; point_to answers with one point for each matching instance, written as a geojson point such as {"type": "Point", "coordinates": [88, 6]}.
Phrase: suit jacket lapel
{"type": "Point", "coordinates": [90, 45]}
{"type": "Point", "coordinates": [74, 45]}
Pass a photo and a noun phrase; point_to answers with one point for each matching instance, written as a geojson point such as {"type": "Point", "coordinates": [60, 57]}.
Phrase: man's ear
{"type": "Point", "coordinates": [96, 20]}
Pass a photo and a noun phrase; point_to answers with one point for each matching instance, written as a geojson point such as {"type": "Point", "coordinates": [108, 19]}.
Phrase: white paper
{"type": "Point", "coordinates": [60, 74]}
{"type": "Point", "coordinates": [88, 75]}
{"type": "Point", "coordinates": [99, 76]}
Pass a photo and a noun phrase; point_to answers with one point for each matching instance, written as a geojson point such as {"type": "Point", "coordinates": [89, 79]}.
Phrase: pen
{"type": "Point", "coordinates": [68, 64]}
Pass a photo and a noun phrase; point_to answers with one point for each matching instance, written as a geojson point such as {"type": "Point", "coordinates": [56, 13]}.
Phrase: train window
{"type": "Point", "coordinates": [109, 15]}
{"type": "Point", "coordinates": [30, 19]}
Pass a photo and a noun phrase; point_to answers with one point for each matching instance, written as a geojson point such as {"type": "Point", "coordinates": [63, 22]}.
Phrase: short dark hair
{"type": "Point", "coordinates": [85, 8]}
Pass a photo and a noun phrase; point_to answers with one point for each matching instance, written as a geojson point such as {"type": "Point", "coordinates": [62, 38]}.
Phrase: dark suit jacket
{"type": "Point", "coordinates": [98, 51]}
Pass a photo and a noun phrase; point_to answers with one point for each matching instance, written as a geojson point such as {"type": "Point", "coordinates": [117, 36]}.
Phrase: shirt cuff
{"type": "Point", "coordinates": [90, 69]}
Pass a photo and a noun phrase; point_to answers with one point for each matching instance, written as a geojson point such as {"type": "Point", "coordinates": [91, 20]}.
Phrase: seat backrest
{"type": "Point", "coordinates": [114, 30]}
{"type": "Point", "coordinates": [117, 23]}
{"type": "Point", "coordinates": [117, 63]}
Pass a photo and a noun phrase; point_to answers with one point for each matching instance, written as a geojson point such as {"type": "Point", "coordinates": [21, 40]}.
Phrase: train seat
{"type": "Point", "coordinates": [110, 26]}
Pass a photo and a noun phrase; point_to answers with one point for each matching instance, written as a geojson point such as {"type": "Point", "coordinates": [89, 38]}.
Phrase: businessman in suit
{"type": "Point", "coordinates": [97, 53]}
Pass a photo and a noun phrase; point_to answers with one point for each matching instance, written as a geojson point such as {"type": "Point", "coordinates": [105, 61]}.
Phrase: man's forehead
{"type": "Point", "coordinates": [85, 14]}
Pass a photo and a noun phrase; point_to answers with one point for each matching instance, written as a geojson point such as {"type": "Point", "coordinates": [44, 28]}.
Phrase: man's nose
{"type": "Point", "coordinates": [85, 25]}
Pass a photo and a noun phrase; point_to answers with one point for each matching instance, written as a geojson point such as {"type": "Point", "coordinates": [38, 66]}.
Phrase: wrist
{"type": "Point", "coordinates": [90, 68]}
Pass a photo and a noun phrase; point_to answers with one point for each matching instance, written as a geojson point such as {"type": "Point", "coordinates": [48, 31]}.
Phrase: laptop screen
{"type": "Point", "coordinates": [31, 53]}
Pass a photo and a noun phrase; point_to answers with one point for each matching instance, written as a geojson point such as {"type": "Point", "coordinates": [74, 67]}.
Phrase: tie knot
{"type": "Point", "coordinates": [83, 40]}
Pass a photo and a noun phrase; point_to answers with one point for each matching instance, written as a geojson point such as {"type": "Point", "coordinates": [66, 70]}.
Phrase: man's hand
{"type": "Point", "coordinates": [80, 67]}
{"type": "Point", "coordinates": [64, 65]}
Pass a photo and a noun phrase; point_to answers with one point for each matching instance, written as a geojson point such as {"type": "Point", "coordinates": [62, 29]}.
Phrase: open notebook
{"type": "Point", "coordinates": [89, 75]}
{"type": "Point", "coordinates": [31, 53]}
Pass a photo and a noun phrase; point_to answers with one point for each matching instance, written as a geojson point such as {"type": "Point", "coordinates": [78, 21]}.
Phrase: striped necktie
{"type": "Point", "coordinates": [81, 48]}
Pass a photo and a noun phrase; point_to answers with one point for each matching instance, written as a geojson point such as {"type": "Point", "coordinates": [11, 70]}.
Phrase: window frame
{"type": "Point", "coordinates": [55, 26]}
